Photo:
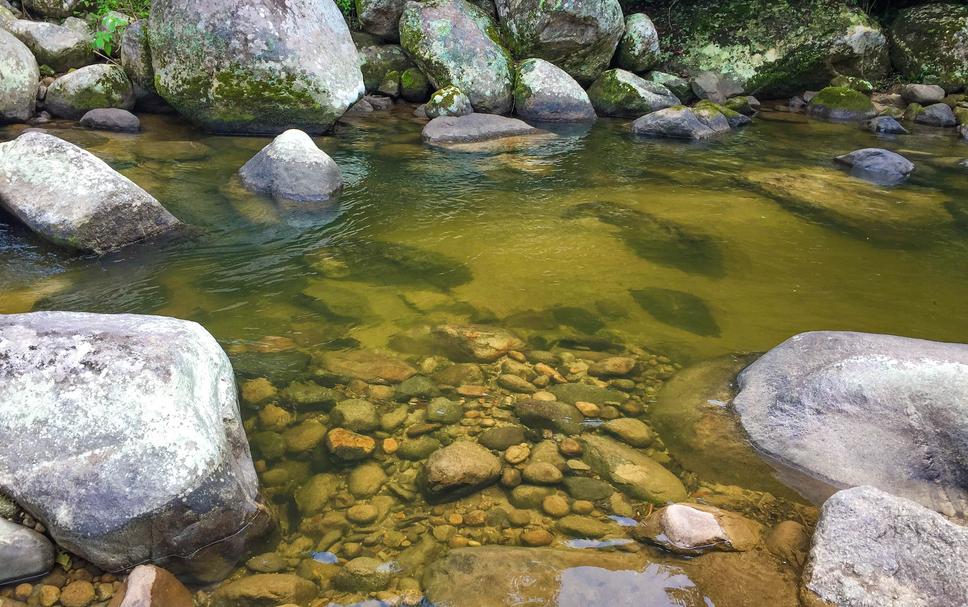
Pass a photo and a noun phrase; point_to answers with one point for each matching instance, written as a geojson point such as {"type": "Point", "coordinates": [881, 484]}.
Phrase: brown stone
{"type": "Point", "coordinates": [537, 537]}
{"type": "Point", "coordinates": [264, 590]}
{"type": "Point", "coordinates": [369, 366]}
{"type": "Point", "coordinates": [150, 586]}
{"type": "Point", "coordinates": [348, 445]}
{"type": "Point", "coordinates": [77, 594]}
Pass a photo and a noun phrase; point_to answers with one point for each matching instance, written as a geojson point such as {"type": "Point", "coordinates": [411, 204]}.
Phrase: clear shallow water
{"type": "Point", "coordinates": [586, 240]}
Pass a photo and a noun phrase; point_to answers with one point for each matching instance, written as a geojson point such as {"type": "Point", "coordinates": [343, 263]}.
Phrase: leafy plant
{"type": "Point", "coordinates": [109, 33]}
{"type": "Point", "coordinates": [138, 9]}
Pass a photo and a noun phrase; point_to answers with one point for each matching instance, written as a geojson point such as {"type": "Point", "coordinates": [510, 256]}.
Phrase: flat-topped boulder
{"type": "Point", "coordinates": [877, 165]}
{"type": "Point", "coordinates": [293, 168]}
{"type": "Point", "coordinates": [676, 122]}
{"type": "Point", "coordinates": [873, 548]}
{"type": "Point", "coordinates": [73, 199]}
{"type": "Point", "coordinates": [474, 128]}
{"type": "Point", "coordinates": [137, 450]}
{"type": "Point", "coordinates": [851, 409]}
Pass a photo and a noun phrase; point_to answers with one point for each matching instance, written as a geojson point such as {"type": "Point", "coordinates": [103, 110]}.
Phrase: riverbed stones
{"type": "Point", "coordinates": [467, 53]}
{"type": "Point", "coordinates": [639, 49]}
{"type": "Point", "coordinates": [549, 415]}
{"type": "Point", "coordinates": [541, 473]}
{"type": "Point", "coordinates": [19, 75]}
{"type": "Point", "coordinates": [470, 343]}
{"type": "Point", "coordinates": [474, 128]}
{"type": "Point", "coordinates": [937, 114]}
{"type": "Point", "coordinates": [292, 168]}
{"type": "Point", "coordinates": [363, 574]}
{"type": "Point", "coordinates": [613, 366]}
{"type": "Point", "coordinates": [111, 119]}
{"type": "Point", "coordinates": [313, 495]}
{"type": "Point", "coordinates": [458, 469]}
{"type": "Point", "coordinates": [676, 122]}
{"type": "Point", "coordinates": [55, 46]}
{"type": "Point", "coordinates": [873, 548]}
{"type": "Point", "coordinates": [445, 411]}
{"type": "Point", "coordinates": [694, 529]}
{"type": "Point", "coordinates": [582, 526]}
{"type": "Point", "coordinates": [356, 414]}
{"type": "Point", "coordinates": [631, 471]}
{"type": "Point", "coordinates": [96, 86]}
{"type": "Point", "coordinates": [857, 408]}
{"type": "Point", "coordinates": [70, 197]}
{"type": "Point", "coordinates": [621, 93]}
{"type": "Point", "coordinates": [264, 590]}
{"type": "Point", "coordinates": [544, 92]}
{"type": "Point", "coordinates": [79, 593]}
{"type": "Point", "coordinates": [256, 66]}
{"type": "Point", "coordinates": [579, 36]}
{"type": "Point", "coordinates": [24, 553]}
{"type": "Point", "coordinates": [160, 412]}
{"type": "Point", "coordinates": [928, 41]}
{"type": "Point", "coordinates": [151, 586]}
{"type": "Point", "coordinates": [631, 431]}
{"type": "Point", "coordinates": [585, 488]}
{"type": "Point", "coordinates": [841, 104]}
{"type": "Point", "coordinates": [877, 165]}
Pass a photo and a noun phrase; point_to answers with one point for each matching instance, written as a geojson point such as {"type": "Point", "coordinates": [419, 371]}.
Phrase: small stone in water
{"type": "Point", "coordinates": [78, 594]}
{"type": "Point", "coordinates": [362, 514]}
{"type": "Point", "coordinates": [517, 454]}
{"type": "Point", "coordinates": [587, 409]}
{"type": "Point", "coordinates": [537, 537]}
{"type": "Point", "coordinates": [582, 507]}
{"type": "Point", "coordinates": [570, 447]}
{"type": "Point", "coordinates": [582, 526]}
{"type": "Point", "coordinates": [556, 506]}
{"type": "Point", "coordinates": [541, 473]}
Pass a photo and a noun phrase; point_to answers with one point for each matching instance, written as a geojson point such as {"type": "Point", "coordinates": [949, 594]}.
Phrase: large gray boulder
{"type": "Point", "coordinates": [579, 36]}
{"type": "Point", "coordinates": [873, 549]}
{"type": "Point", "coordinates": [255, 66]}
{"type": "Point", "coordinates": [546, 93]}
{"type": "Point", "coordinates": [677, 122]}
{"type": "Point", "coordinates": [72, 198]}
{"type": "Point", "coordinates": [136, 449]}
{"type": "Point", "coordinates": [136, 63]}
{"type": "Point", "coordinates": [851, 409]}
{"type": "Point", "coordinates": [928, 42]}
{"type": "Point", "coordinates": [639, 49]}
{"type": "Point", "coordinates": [877, 165]}
{"type": "Point", "coordinates": [55, 46]}
{"type": "Point", "coordinates": [467, 53]}
{"type": "Point", "coordinates": [937, 114]}
{"type": "Point", "coordinates": [621, 93]}
{"type": "Point", "coordinates": [96, 86]}
{"type": "Point", "coordinates": [24, 553]}
{"type": "Point", "coordinates": [19, 75]}
{"type": "Point", "coordinates": [381, 17]}
{"type": "Point", "coordinates": [474, 128]}
{"type": "Point", "coordinates": [292, 168]}
{"type": "Point", "coordinates": [52, 8]}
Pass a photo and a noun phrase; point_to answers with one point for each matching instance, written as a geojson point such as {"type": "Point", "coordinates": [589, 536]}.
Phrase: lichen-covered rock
{"type": "Point", "coordinates": [24, 553]}
{"type": "Point", "coordinates": [715, 87]}
{"type": "Point", "coordinates": [448, 101]}
{"type": "Point", "coordinates": [621, 93]}
{"type": "Point", "coordinates": [775, 48]}
{"type": "Point", "coordinates": [841, 103]}
{"type": "Point", "coordinates": [55, 46]}
{"type": "Point", "coordinates": [96, 86]}
{"type": "Point", "coordinates": [857, 408]}
{"type": "Point", "coordinates": [678, 86]}
{"type": "Point", "coordinates": [873, 548]}
{"type": "Point", "coordinates": [378, 59]}
{"type": "Point", "coordinates": [733, 118]}
{"type": "Point", "coordinates": [708, 113]}
{"type": "Point", "coordinates": [19, 75]}
{"type": "Point", "coordinates": [455, 43]}
{"type": "Point", "coordinates": [292, 168]}
{"type": "Point", "coordinates": [255, 66]}
{"type": "Point", "coordinates": [136, 62]}
{"type": "Point", "coordinates": [877, 165]}
{"type": "Point", "coordinates": [639, 49]}
{"type": "Point", "coordinates": [135, 412]}
{"type": "Point", "coordinates": [579, 36]}
{"type": "Point", "coordinates": [414, 85]}
{"type": "Point", "coordinates": [74, 199]}
{"type": "Point", "coordinates": [53, 8]}
{"type": "Point", "coordinates": [381, 17]}
{"type": "Point", "coordinates": [677, 122]}
{"type": "Point", "coordinates": [544, 92]}
{"type": "Point", "coordinates": [930, 43]}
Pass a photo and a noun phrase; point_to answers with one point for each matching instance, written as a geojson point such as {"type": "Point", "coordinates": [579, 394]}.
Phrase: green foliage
{"type": "Point", "coordinates": [136, 8]}
{"type": "Point", "coordinates": [109, 33]}
{"type": "Point", "coordinates": [348, 8]}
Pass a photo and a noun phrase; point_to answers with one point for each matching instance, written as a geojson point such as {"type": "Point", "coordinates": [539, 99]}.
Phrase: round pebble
{"type": "Point", "coordinates": [77, 594]}
{"type": "Point", "coordinates": [390, 445]}
{"type": "Point", "coordinates": [582, 507]}
{"type": "Point", "coordinates": [362, 514]}
{"type": "Point", "coordinates": [587, 409]}
{"type": "Point", "coordinates": [517, 454]}
{"type": "Point", "coordinates": [555, 505]}
{"type": "Point", "coordinates": [569, 447]}
{"type": "Point", "coordinates": [542, 473]}
{"type": "Point", "coordinates": [537, 537]}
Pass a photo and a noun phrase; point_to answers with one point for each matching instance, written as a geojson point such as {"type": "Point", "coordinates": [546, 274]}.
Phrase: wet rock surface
{"type": "Point", "coordinates": [293, 168]}
{"type": "Point", "coordinates": [24, 553]}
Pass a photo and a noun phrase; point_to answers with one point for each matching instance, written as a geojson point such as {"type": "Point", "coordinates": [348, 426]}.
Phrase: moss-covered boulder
{"type": "Point", "coordinates": [777, 48]}
{"type": "Point", "coordinates": [378, 59]}
{"type": "Point", "coordinates": [546, 93]}
{"type": "Point", "coordinates": [136, 62]}
{"type": "Point", "coordinates": [579, 36]}
{"type": "Point", "coordinates": [639, 49]}
{"type": "Point", "coordinates": [448, 101]}
{"type": "Point", "coordinates": [733, 118]}
{"type": "Point", "coordinates": [414, 85]}
{"type": "Point", "coordinates": [380, 17]}
{"type": "Point", "coordinates": [52, 8]}
{"type": "Point", "coordinates": [18, 79]}
{"type": "Point", "coordinates": [930, 43]}
{"type": "Point", "coordinates": [58, 47]}
{"type": "Point", "coordinates": [254, 66]}
{"type": "Point", "coordinates": [96, 86]}
{"type": "Point", "coordinates": [455, 43]}
{"type": "Point", "coordinates": [841, 103]}
{"type": "Point", "coordinates": [621, 93]}
{"type": "Point", "coordinates": [679, 86]}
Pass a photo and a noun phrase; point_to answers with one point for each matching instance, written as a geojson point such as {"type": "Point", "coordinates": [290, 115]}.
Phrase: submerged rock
{"type": "Point", "coordinates": [546, 93]}
{"type": "Point", "coordinates": [466, 53]}
{"type": "Point", "coordinates": [473, 128]}
{"type": "Point", "coordinates": [255, 66]}
{"type": "Point", "coordinates": [697, 529]}
{"type": "Point", "coordinates": [856, 408]}
{"type": "Point", "coordinates": [551, 415]}
{"type": "Point", "coordinates": [72, 198]}
{"type": "Point", "coordinates": [639, 49]}
{"type": "Point", "coordinates": [448, 101]}
{"type": "Point", "coordinates": [621, 93]}
{"type": "Point", "coordinates": [292, 168]}
{"type": "Point", "coordinates": [24, 553]}
{"type": "Point", "coordinates": [458, 469]}
{"type": "Point", "coordinates": [631, 471]}
{"type": "Point", "coordinates": [160, 438]}
{"type": "Point", "coordinates": [55, 46]}
{"type": "Point", "coordinates": [873, 548]}
{"type": "Point", "coordinates": [877, 165]}
{"type": "Point", "coordinates": [150, 586]}
{"type": "Point", "coordinates": [89, 88]}
{"type": "Point", "coordinates": [481, 343]}
{"type": "Point", "coordinates": [676, 122]}
{"type": "Point", "coordinates": [928, 41]}
{"type": "Point", "coordinates": [841, 103]}
{"type": "Point", "coordinates": [264, 590]}
{"type": "Point", "coordinates": [18, 87]}
{"type": "Point", "coordinates": [678, 309]}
